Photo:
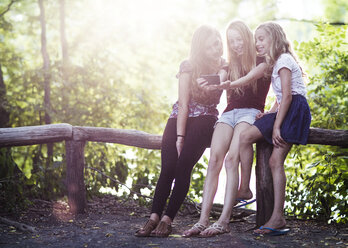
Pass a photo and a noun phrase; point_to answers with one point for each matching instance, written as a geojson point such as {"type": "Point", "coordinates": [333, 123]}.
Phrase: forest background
{"type": "Point", "coordinates": [113, 64]}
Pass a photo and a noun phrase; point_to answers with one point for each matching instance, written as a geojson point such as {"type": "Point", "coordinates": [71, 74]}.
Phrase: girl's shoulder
{"type": "Point", "coordinates": [285, 60]}
{"type": "Point", "coordinates": [185, 66]}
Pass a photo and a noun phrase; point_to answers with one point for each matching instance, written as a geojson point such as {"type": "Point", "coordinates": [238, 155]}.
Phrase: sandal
{"type": "Point", "coordinates": [194, 231]}
{"type": "Point", "coordinates": [162, 230]}
{"type": "Point", "coordinates": [217, 228]}
{"type": "Point", "coordinates": [146, 230]}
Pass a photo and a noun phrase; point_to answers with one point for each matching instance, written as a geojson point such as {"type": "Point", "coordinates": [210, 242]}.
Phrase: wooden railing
{"type": "Point", "coordinates": [75, 138]}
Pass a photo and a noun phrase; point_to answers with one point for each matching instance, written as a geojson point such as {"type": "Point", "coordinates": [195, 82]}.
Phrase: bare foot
{"type": "Point", "coordinates": [244, 194]}
{"type": "Point", "coordinates": [275, 224]}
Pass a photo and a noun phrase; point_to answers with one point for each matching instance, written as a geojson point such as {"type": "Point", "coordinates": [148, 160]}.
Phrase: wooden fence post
{"type": "Point", "coordinates": [75, 163]}
{"type": "Point", "coordinates": [264, 183]}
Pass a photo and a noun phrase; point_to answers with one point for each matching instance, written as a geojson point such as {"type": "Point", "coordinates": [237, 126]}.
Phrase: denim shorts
{"type": "Point", "coordinates": [235, 116]}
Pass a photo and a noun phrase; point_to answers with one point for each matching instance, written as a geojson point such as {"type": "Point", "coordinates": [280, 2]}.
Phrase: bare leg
{"type": "Point", "coordinates": [232, 179]}
{"type": "Point", "coordinates": [244, 191]}
{"type": "Point", "coordinates": [247, 138]}
{"type": "Point", "coordinates": [220, 143]}
{"type": "Point", "coordinates": [276, 163]}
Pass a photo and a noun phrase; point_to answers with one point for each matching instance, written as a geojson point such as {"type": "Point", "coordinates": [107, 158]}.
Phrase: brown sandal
{"type": "Point", "coordinates": [146, 230]}
{"type": "Point", "coordinates": [162, 230]}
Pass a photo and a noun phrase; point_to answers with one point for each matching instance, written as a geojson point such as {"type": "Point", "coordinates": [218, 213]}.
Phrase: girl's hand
{"type": "Point", "coordinates": [224, 85]}
{"type": "Point", "coordinates": [179, 144]}
{"type": "Point", "coordinates": [204, 84]}
{"type": "Point", "coordinates": [259, 115]}
{"type": "Point", "coordinates": [277, 139]}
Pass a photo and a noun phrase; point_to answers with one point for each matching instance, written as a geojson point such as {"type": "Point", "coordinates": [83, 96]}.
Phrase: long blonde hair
{"type": "Point", "coordinates": [200, 64]}
{"type": "Point", "coordinates": [240, 65]}
{"type": "Point", "coordinates": [279, 44]}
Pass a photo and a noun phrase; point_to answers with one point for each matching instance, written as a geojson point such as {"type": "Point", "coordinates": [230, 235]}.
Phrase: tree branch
{"type": "Point", "coordinates": [8, 8]}
{"type": "Point", "coordinates": [311, 21]}
{"type": "Point", "coordinates": [20, 226]}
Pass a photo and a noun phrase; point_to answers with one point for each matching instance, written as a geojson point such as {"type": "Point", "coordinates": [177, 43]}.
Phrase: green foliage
{"type": "Point", "coordinates": [12, 193]}
{"type": "Point", "coordinates": [318, 175]}
{"type": "Point", "coordinates": [197, 181]}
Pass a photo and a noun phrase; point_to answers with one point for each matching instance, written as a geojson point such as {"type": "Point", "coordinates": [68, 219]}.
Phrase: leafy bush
{"type": "Point", "coordinates": [318, 175]}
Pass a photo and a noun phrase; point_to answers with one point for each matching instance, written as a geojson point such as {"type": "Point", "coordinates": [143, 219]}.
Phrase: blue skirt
{"type": "Point", "coordinates": [295, 126]}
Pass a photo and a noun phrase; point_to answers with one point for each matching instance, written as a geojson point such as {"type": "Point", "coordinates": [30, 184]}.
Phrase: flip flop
{"type": "Point", "coordinates": [243, 202]}
{"type": "Point", "coordinates": [273, 231]}
{"type": "Point", "coordinates": [196, 227]}
{"type": "Point", "coordinates": [219, 229]}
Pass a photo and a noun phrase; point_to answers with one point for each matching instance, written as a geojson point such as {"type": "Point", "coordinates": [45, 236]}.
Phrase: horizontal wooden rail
{"type": "Point", "coordinates": [120, 136]}
{"type": "Point", "coordinates": [75, 138]}
{"type": "Point", "coordinates": [32, 135]}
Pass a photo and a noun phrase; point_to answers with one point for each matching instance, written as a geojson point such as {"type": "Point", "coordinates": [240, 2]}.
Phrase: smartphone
{"type": "Point", "coordinates": [212, 78]}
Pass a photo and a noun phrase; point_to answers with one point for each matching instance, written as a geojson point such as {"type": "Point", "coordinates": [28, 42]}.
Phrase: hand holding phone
{"type": "Point", "coordinates": [212, 79]}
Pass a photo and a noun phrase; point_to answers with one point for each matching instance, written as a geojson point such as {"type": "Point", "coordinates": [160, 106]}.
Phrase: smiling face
{"type": "Point", "coordinates": [213, 48]}
{"type": "Point", "coordinates": [263, 41]}
{"type": "Point", "coordinates": [235, 41]}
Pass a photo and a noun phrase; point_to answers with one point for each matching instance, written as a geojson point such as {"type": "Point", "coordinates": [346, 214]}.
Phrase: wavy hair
{"type": "Point", "coordinates": [240, 65]}
{"type": "Point", "coordinates": [200, 64]}
{"type": "Point", "coordinates": [279, 44]}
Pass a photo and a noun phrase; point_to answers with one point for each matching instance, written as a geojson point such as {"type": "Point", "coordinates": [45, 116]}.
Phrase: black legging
{"type": "Point", "coordinates": [199, 131]}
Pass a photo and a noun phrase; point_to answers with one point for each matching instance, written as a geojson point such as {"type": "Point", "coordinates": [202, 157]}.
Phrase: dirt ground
{"type": "Point", "coordinates": [109, 222]}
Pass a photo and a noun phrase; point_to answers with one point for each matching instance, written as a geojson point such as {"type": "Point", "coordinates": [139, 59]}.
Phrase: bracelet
{"type": "Point", "coordinates": [179, 135]}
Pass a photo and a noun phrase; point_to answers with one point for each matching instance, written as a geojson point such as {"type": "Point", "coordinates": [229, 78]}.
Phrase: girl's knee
{"type": "Point", "coordinates": [215, 160]}
{"type": "Point", "coordinates": [274, 162]}
{"type": "Point", "coordinates": [231, 161]}
{"type": "Point", "coordinates": [214, 166]}
{"type": "Point", "coordinates": [245, 138]}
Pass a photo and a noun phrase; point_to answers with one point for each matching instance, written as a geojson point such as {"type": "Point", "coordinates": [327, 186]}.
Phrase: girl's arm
{"type": "Point", "coordinates": [272, 110]}
{"type": "Point", "coordinates": [183, 109]}
{"type": "Point", "coordinates": [252, 76]}
{"type": "Point", "coordinates": [274, 107]}
{"type": "Point", "coordinates": [285, 77]}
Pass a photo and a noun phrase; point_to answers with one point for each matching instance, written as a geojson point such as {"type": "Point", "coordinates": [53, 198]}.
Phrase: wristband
{"type": "Point", "coordinates": [179, 135]}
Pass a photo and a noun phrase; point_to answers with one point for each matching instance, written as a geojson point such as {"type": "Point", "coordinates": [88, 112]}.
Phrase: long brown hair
{"type": "Point", "coordinates": [200, 64]}
{"type": "Point", "coordinates": [240, 65]}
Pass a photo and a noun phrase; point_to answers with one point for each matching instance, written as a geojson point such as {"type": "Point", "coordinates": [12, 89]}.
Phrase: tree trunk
{"type": "Point", "coordinates": [63, 41]}
{"type": "Point", "coordinates": [46, 63]}
{"type": "Point", "coordinates": [65, 91]}
{"type": "Point", "coordinates": [4, 114]}
{"type": "Point", "coordinates": [47, 88]}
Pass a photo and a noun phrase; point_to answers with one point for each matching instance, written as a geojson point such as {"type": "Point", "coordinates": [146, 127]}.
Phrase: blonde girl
{"type": "Point", "coordinates": [285, 124]}
{"type": "Point", "coordinates": [244, 103]}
